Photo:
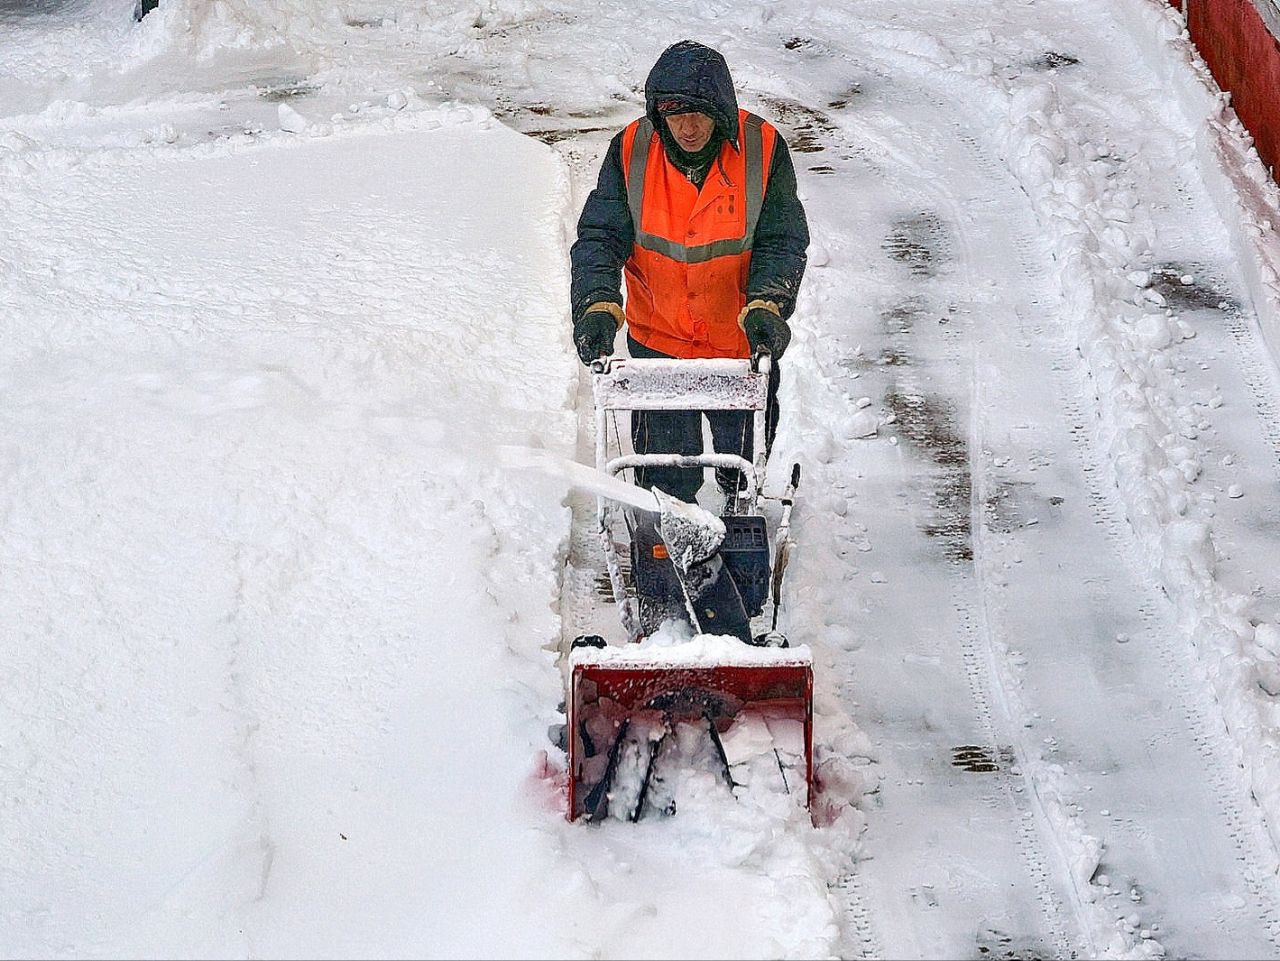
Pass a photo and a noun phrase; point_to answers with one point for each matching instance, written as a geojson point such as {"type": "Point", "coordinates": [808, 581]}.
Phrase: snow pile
{"type": "Point", "coordinates": [209, 27]}
{"type": "Point", "coordinates": [41, 54]}
{"type": "Point", "coordinates": [275, 622]}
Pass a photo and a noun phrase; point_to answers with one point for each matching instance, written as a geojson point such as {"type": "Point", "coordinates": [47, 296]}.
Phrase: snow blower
{"type": "Point", "coordinates": [702, 677]}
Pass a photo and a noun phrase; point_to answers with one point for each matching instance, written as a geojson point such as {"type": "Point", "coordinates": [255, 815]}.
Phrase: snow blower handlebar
{"type": "Point", "coordinates": [718, 461]}
{"type": "Point", "coordinates": [712, 384]}
{"type": "Point", "coordinates": [760, 362]}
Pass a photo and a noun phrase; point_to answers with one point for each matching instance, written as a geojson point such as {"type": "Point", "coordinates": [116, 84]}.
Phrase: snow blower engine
{"type": "Point", "coordinates": [703, 677]}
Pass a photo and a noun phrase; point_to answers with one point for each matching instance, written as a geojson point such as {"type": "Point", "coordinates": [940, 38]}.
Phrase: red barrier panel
{"type": "Point", "coordinates": [1244, 57]}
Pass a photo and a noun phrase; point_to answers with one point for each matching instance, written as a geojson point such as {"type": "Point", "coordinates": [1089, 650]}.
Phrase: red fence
{"type": "Point", "coordinates": [1237, 39]}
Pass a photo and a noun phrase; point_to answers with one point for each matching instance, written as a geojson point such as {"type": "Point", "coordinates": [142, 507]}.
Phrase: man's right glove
{"type": "Point", "coordinates": [594, 331]}
{"type": "Point", "coordinates": [765, 328]}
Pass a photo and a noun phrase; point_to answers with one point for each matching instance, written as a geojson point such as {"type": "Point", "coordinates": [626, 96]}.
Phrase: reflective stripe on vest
{"type": "Point", "coordinates": [698, 253]}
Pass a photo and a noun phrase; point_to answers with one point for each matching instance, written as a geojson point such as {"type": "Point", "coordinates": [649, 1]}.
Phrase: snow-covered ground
{"type": "Point", "coordinates": [282, 637]}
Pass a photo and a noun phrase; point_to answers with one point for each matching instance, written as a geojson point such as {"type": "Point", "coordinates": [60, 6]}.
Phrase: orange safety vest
{"type": "Point", "coordinates": [687, 273]}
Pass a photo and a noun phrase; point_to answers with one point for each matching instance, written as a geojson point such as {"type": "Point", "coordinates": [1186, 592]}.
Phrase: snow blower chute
{"type": "Point", "coordinates": [703, 675]}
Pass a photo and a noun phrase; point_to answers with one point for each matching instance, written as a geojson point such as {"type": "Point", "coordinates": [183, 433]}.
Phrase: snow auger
{"type": "Point", "coordinates": [691, 589]}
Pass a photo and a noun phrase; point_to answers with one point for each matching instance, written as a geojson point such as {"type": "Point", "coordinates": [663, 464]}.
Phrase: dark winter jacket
{"type": "Point", "coordinates": [606, 234]}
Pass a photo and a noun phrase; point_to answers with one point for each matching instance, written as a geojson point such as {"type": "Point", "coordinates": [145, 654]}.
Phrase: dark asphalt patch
{"type": "Point", "coordinates": [1002, 509]}
{"type": "Point", "coordinates": [277, 90]}
{"type": "Point", "coordinates": [992, 943]}
{"type": "Point", "coordinates": [534, 23]}
{"type": "Point", "coordinates": [604, 588]}
{"type": "Point", "coordinates": [551, 123]}
{"type": "Point", "coordinates": [1201, 294]}
{"type": "Point", "coordinates": [976, 759]}
{"type": "Point", "coordinates": [562, 133]}
{"type": "Point", "coordinates": [919, 242]}
{"type": "Point", "coordinates": [928, 424]}
{"type": "Point", "coordinates": [843, 99]}
{"type": "Point", "coordinates": [1052, 60]}
{"type": "Point", "coordinates": [807, 130]}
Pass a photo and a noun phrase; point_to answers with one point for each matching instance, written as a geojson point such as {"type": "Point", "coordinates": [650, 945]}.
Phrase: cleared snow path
{"type": "Point", "coordinates": [1082, 697]}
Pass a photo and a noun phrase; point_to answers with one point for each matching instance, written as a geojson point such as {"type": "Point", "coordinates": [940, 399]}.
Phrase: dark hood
{"type": "Point", "coordinates": [700, 75]}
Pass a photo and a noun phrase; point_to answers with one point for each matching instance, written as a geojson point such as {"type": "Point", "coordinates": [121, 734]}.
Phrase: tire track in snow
{"type": "Point", "coordinates": [1258, 376]}
{"type": "Point", "coordinates": [259, 822]}
{"type": "Point", "coordinates": [858, 931]}
{"type": "Point", "coordinates": [982, 632]}
{"type": "Point", "coordinates": [1200, 714]}
{"type": "Point", "coordinates": [997, 718]}
{"type": "Point", "coordinates": [1043, 810]}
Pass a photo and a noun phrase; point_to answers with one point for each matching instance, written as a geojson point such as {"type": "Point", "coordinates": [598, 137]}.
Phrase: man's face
{"type": "Point", "coordinates": [691, 130]}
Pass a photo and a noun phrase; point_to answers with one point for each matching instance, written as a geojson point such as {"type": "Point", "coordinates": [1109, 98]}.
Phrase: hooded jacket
{"type": "Point", "coordinates": [606, 231]}
{"type": "Point", "coordinates": [700, 77]}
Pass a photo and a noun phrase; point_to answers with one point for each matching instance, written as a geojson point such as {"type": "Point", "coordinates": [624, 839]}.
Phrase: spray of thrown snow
{"type": "Point", "coordinates": [691, 533]}
{"type": "Point", "coordinates": [577, 475]}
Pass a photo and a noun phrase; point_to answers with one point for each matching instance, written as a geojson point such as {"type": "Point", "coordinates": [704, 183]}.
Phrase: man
{"type": "Point", "coordinates": [696, 203]}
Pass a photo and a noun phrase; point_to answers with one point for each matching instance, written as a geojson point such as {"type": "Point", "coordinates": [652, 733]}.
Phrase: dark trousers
{"type": "Point", "coordinates": [680, 432]}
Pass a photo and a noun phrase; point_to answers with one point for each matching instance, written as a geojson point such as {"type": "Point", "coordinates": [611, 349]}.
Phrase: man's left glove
{"type": "Point", "coordinates": [764, 327]}
{"type": "Point", "coordinates": [594, 331]}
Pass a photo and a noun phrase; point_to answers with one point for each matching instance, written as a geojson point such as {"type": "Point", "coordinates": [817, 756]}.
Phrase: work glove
{"type": "Point", "coordinates": [594, 331]}
{"type": "Point", "coordinates": [764, 328]}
